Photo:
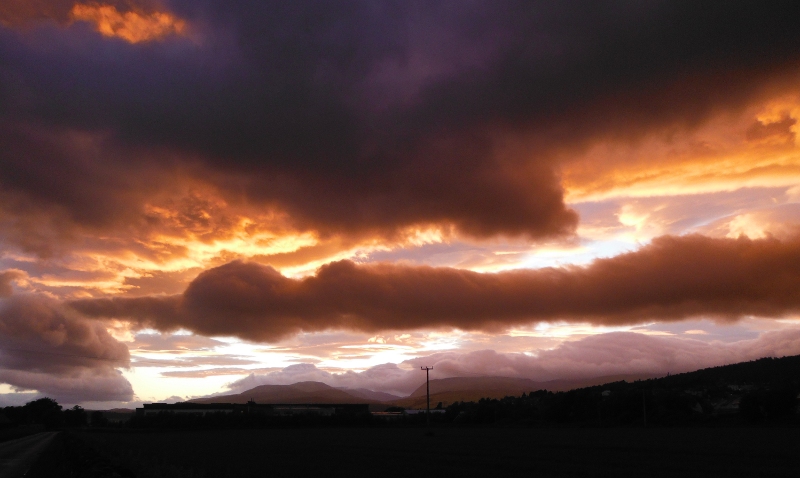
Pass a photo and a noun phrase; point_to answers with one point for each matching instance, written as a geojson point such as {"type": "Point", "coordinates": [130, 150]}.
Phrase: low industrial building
{"type": "Point", "coordinates": [274, 409]}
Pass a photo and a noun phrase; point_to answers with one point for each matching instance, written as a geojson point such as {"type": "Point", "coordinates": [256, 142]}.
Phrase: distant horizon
{"type": "Point", "coordinates": [563, 385]}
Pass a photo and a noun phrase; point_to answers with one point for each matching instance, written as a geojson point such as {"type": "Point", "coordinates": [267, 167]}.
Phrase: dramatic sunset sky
{"type": "Point", "coordinates": [202, 196]}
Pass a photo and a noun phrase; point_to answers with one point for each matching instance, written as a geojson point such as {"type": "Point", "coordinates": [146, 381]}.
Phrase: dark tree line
{"type": "Point", "coordinates": [44, 411]}
{"type": "Point", "coordinates": [588, 407]}
{"type": "Point", "coordinates": [173, 420]}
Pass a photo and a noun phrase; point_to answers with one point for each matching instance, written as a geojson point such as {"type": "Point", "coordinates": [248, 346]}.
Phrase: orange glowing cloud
{"type": "Point", "coordinates": [756, 148]}
{"type": "Point", "coordinates": [131, 26]}
{"type": "Point", "coordinates": [671, 279]}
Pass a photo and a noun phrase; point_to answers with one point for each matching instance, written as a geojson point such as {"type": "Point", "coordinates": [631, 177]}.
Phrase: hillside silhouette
{"type": "Point", "coordinates": [301, 392]}
{"type": "Point", "coordinates": [468, 389]}
{"type": "Point", "coordinates": [445, 390]}
{"type": "Point", "coordinates": [368, 394]}
{"type": "Point", "coordinates": [770, 372]}
{"type": "Point", "coordinates": [764, 390]}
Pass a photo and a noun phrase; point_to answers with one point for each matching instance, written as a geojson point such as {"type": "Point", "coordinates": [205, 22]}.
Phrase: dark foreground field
{"type": "Point", "coordinates": [475, 452]}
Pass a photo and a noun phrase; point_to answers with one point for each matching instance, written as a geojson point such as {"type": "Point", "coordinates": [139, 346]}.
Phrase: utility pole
{"type": "Point", "coordinates": [428, 387]}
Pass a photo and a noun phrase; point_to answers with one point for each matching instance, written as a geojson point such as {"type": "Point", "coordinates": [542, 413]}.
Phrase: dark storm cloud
{"type": "Point", "coordinates": [369, 116]}
{"type": "Point", "coordinates": [47, 347]}
{"type": "Point", "coordinates": [57, 182]}
{"type": "Point", "coordinates": [671, 279]}
{"type": "Point", "coordinates": [16, 12]}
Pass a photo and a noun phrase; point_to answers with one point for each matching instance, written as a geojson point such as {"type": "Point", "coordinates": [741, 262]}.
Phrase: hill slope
{"type": "Point", "coordinates": [370, 394]}
{"type": "Point", "coordinates": [513, 386]}
{"type": "Point", "coordinates": [470, 389]}
{"type": "Point", "coordinates": [760, 391]}
{"type": "Point", "coordinates": [764, 372]}
{"type": "Point", "coordinates": [301, 392]}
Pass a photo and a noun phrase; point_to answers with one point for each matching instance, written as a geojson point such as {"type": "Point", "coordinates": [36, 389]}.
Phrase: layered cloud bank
{"type": "Point", "coordinates": [295, 135]}
{"type": "Point", "coordinates": [62, 349]}
{"type": "Point", "coordinates": [355, 118]}
{"type": "Point", "coordinates": [673, 278]}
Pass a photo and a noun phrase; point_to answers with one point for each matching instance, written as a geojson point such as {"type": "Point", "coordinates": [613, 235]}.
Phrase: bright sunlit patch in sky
{"type": "Point", "coordinates": [362, 357]}
{"type": "Point", "coordinates": [562, 330]}
{"type": "Point", "coordinates": [151, 386]}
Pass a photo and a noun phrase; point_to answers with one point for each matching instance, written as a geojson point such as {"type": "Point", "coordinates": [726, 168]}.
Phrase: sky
{"type": "Point", "coordinates": [199, 197]}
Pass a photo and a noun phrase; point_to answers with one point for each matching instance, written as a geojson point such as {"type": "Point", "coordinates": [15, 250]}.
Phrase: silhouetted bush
{"type": "Point", "coordinates": [47, 412]}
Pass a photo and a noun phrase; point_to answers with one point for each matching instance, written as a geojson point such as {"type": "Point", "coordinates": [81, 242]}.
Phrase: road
{"type": "Point", "coordinates": [17, 456]}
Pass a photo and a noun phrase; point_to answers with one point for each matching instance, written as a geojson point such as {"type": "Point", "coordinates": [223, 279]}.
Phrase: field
{"type": "Point", "coordinates": [478, 452]}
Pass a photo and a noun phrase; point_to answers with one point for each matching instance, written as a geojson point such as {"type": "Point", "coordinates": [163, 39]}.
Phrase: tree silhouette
{"type": "Point", "coordinates": [75, 417]}
{"type": "Point", "coordinates": [45, 411]}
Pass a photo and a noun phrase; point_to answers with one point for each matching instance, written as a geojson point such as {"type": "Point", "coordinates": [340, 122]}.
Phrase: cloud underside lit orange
{"type": "Point", "coordinates": [200, 217]}
{"type": "Point", "coordinates": [131, 26]}
{"type": "Point", "coordinates": [671, 279]}
{"type": "Point", "coordinates": [756, 147]}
